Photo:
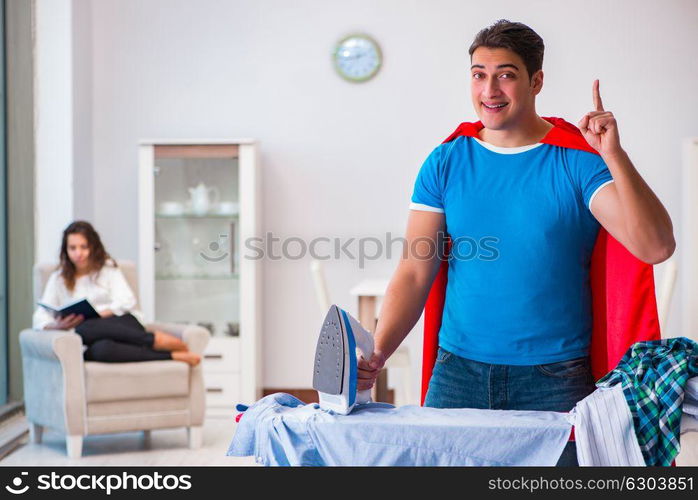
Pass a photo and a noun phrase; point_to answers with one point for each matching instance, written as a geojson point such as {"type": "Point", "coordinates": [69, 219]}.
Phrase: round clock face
{"type": "Point", "coordinates": [357, 58]}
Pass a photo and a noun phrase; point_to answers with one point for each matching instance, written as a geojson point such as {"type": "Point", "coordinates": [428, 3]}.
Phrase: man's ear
{"type": "Point", "coordinates": [537, 82]}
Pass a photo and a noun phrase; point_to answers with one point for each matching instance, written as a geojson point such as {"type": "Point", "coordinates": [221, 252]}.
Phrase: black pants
{"type": "Point", "coordinates": [117, 339]}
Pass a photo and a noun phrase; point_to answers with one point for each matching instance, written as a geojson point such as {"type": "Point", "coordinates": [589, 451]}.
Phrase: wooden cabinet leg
{"type": "Point", "coordinates": [381, 387]}
{"type": "Point", "coordinates": [367, 312]}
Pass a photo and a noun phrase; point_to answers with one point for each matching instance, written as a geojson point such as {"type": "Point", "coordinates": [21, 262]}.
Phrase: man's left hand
{"type": "Point", "coordinates": [599, 127]}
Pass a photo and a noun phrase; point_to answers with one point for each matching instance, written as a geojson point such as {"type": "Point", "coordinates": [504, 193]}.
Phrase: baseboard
{"type": "Point", "coordinates": [310, 395]}
{"type": "Point", "coordinates": [11, 409]}
{"type": "Point", "coordinates": [14, 431]}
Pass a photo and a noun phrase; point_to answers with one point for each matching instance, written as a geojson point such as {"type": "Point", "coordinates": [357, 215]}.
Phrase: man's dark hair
{"type": "Point", "coordinates": [516, 37]}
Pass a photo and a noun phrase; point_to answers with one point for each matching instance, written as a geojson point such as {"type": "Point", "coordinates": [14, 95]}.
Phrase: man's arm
{"type": "Point", "coordinates": [626, 208]}
{"type": "Point", "coordinates": [630, 211]}
{"type": "Point", "coordinates": [407, 292]}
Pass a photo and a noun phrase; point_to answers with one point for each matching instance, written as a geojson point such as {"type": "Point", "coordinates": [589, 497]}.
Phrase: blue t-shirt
{"type": "Point", "coordinates": [518, 288]}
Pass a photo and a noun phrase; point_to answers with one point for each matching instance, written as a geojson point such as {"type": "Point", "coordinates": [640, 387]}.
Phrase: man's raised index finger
{"type": "Point", "coordinates": [597, 96]}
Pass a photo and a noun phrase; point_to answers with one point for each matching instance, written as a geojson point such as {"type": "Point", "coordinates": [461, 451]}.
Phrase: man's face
{"type": "Point", "coordinates": [499, 76]}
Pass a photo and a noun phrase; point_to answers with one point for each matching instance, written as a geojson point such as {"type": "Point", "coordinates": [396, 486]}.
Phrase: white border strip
{"type": "Point", "coordinates": [425, 208]}
{"type": "Point", "coordinates": [597, 190]}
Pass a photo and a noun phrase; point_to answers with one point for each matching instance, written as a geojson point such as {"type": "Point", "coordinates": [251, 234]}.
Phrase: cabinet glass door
{"type": "Point", "coordinates": [196, 236]}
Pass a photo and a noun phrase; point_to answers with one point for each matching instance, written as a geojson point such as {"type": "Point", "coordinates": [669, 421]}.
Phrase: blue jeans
{"type": "Point", "coordinates": [464, 383]}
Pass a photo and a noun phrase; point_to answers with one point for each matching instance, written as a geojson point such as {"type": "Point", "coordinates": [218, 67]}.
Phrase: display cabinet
{"type": "Point", "coordinates": [199, 204]}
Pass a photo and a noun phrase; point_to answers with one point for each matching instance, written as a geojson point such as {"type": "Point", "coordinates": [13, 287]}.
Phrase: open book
{"type": "Point", "coordinates": [79, 306]}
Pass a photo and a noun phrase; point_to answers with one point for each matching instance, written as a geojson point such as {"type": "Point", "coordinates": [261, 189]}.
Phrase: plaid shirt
{"type": "Point", "coordinates": [654, 375]}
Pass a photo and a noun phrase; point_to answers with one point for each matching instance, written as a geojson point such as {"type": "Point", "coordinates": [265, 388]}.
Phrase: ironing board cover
{"type": "Point", "coordinates": [622, 286]}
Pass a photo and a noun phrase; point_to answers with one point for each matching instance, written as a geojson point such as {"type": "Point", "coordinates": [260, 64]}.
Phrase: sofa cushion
{"type": "Point", "coordinates": [135, 380]}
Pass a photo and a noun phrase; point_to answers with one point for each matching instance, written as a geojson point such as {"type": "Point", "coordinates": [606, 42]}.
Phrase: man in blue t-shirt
{"type": "Point", "coordinates": [523, 217]}
{"type": "Point", "coordinates": [522, 234]}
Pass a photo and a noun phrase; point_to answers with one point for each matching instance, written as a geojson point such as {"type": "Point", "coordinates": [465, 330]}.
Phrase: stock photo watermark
{"type": "Point", "coordinates": [215, 251]}
{"type": "Point", "coordinates": [356, 249]}
{"type": "Point", "coordinates": [98, 483]}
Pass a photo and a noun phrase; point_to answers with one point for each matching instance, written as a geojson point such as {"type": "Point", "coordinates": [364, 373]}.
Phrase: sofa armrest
{"type": "Point", "coordinates": [49, 344]}
{"type": "Point", "coordinates": [54, 385]}
{"type": "Point", "coordinates": [196, 337]}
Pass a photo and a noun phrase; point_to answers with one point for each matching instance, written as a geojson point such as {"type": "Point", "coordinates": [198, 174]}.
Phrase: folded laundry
{"type": "Point", "coordinates": [690, 402]}
{"type": "Point", "coordinates": [689, 423]}
{"type": "Point", "coordinates": [654, 376]}
{"type": "Point", "coordinates": [280, 429]}
{"type": "Point", "coordinates": [604, 430]}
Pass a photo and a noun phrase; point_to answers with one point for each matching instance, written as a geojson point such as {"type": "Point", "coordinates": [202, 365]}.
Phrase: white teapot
{"type": "Point", "coordinates": [202, 198]}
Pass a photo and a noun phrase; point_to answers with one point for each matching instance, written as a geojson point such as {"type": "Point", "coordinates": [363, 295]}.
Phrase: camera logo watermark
{"type": "Point", "coordinates": [216, 247]}
{"type": "Point", "coordinates": [16, 488]}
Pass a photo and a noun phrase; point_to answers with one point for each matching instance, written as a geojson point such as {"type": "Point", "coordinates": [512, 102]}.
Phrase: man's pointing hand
{"type": "Point", "coordinates": [599, 127]}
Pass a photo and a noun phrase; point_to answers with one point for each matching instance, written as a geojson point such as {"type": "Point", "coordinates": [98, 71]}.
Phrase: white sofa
{"type": "Point", "coordinates": [79, 398]}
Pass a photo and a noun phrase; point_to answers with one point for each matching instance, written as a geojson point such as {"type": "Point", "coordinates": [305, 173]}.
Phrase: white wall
{"type": "Point", "coordinates": [83, 168]}
{"type": "Point", "coordinates": [63, 118]}
{"type": "Point", "coordinates": [54, 124]}
{"type": "Point", "coordinates": [339, 159]}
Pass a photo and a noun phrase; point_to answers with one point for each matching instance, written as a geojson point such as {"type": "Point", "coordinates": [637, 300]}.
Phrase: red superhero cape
{"type": "Point", "coordinates": [622, 286]}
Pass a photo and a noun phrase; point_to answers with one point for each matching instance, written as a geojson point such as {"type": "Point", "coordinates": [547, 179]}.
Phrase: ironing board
{"type": "Point", "coordinates": [622, 286]}
{"type": "Point", "coordinates": [280, 429]}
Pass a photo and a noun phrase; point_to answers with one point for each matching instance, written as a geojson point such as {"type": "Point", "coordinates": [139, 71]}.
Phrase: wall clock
{"type": "Point", "coordinates": [357, 58]}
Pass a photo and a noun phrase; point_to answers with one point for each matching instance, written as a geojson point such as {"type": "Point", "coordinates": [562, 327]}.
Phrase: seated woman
{"type": "Point", "coordinates": [87, 271]}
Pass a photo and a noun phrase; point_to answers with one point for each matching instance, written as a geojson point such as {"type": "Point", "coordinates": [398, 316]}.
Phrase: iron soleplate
{"type": "Point", "coordinates": [328, 373]}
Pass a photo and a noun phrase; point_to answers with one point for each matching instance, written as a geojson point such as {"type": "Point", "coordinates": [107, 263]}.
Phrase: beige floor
{"type": "Point", "coordinates": [167, 447]}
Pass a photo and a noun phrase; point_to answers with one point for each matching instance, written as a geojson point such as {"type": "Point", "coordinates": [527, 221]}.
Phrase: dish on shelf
{"type": "Point", "coordinates": [227, 208]}
{"type": "Point", "coordinates": [171, 208]}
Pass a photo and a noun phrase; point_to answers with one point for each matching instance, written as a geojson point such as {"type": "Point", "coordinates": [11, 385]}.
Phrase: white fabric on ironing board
{"type": "Point", "coordinates": [603, 430]}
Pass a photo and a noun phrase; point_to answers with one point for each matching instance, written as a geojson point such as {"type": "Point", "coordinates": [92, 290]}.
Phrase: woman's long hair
{"type": "Point", "coordinates": [97, 258]}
